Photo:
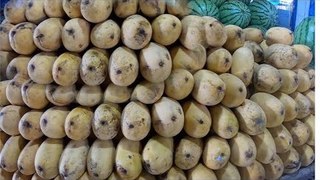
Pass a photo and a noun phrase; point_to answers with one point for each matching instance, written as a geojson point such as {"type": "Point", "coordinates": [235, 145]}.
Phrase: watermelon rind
{"type": "Point", "coordinates": [203, 8]}
{"type": "Point", "coordinates": [263, 13]}
{"type": "Point", "coordinates": [236, 13]}
{"type": "Point", "coordinates": [218, 3]}
{"type": "Point", "coordinates": [305, 34]}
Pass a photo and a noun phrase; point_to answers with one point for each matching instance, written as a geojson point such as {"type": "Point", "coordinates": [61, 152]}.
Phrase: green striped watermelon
{"type": "Point", "coordinates": [218, 3]}
{"type": "Point", "coordinates": [304, 34]}
{"type": "Point", "coordinates": [247, 2]}
{"type": "Point", "coordinates": [203, 8]}
{"type": "Point", "coordinates": [236, 13]}
{"type": "Point", "coordinates": [263, 13]}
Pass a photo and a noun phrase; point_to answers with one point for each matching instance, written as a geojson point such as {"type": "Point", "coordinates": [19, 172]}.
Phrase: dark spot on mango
{"type": "Point", "coordinates": [131, 126]}
{"type": "Point", "coordinates": [59, 68]}
{"type": "Point", "coordinates": [40, 168]}
{"type": "Point", "coordinates": [249, 154]}
{"type": "Point", "coordinates": [13, 70]}
{"type": "Point", "coordinates": [222, 154]}
{"type": "Point", "coordinates": [210, 24]}
{"type": "Point", "coordinates": [52, 90]}
{"type": "Point", "coordinates": [220, 88]}
{"type": "Point", "coordinates": [161, 63]}
{"type": "Point", "coordinates": [188, 155]}
{"type": "Point", "coordinates": [25, 88]}
{"type": "Point", "coordinates": [229, 128]}
{"type": "Point", "coordinates": [174, 24]}
{"type": "Point", "coordinates": [168, 56]}
{"type": "Point", "coordinates": [91, 68]}
{"type": "Point", "coordinates": [30, 4]}
{"type": "Point", "coordinates": [129, 156]}
{"type": "Point", "coordinates": [227, 60]}
{"type": "Point", "coordinates": [39, 36]}
{"type": "Point", "coordinates": [112, 36]}
{"type": "Point", "coordinates": [86, 2]}
{"type": "Point", "coordinates": [186, 79]}
{"type": "Point", "coordinates": [260, 53]}
{"type": "Point", "coordinates": [141, 35]}
{"type": "Point", "coordinates": [96, 174]}
{"type": "Point", "coordinates": [173, 118]}
{"type": "Point", "coordinates": [26, 124]}
{"type": "Point", "coordinates": [13, 33]}
{"type": "Point", "coordinates": [147, 166]}
{"type": "Point", "coordinates": [71, 123]}
{"type": "Point", "coordinates": [200, 121]}
{"type": "Point", "coordinates": [20, 168]}
{"type": "Point", "coordinates": [240, 89]}
{"type": "Point", "coordinates": [103, 123]}
{"type": "Point", "coordinates": [3, 164]}
{"type": "Point", "coordinates": [282, 112]}
{"type": "Point", "coordinates": [296, 80]}
{"type": "Point", "coordinates": [44, 121]}
{"type": "Point", "coordinates": [239, 33]}
{"type": "Point", "coordinates": [32, 67]}
{"type": "Point", "coordinates": [118, 71]}
{"type": "Point", "coordinates": [279, 169]}
{"type": "Point", "coordinates": [71, 32]}
{"type": "Point", "coordinates": [121, 170]}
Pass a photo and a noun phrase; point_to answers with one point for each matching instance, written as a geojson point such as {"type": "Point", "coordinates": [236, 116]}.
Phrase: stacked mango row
{"type": "Point", "coordinates": [141, 90]}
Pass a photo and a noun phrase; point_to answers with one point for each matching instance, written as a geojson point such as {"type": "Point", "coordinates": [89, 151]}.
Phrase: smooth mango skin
{"type": "Point", "coordinates": [201, 172]}
{"type": "Point", "coordinates": [274, 170]}
{"type": "Point", "coordinates": [254, 171]}
{"type": "Point", "coordinates": [157, 155]}
{"type": "Point", "coordinates": [135, 121]}
{"type": "Point", "coordinates": [78, 123]}
{"type": "Point", "coordinates": [272, 106]}
{"type": "Point", "coordinates": [73, 159]}
{"type": "Point", "coordinates": [172, 174]}
{"type": "Point", "coordinates": [224, 121]}
{"type": "Point", "coordinates": [128, 159]}
{"type": "Point", "coordinates": [228, 172]}
{"type": "Point", "coordinates": [10, 153]}
{"type": "Point", "coordinates": [188, 152]}
{"type": "Point", "coordinates": [306, 154]}
{"type": "Point", "coordinates": [101, 159]}
{"type": "Point", "coordinates": [216, 152]}
{"type": "Point", "coordinates": [282, 138]}
{"type": "Point", "coordinates": [50, 149]}
{"type": "Point", "coordinates": [266, 147]}
{"type": "Point", "coordinates": [243, 150]}
{"type": "Point", "coordinates": [27, 156]}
